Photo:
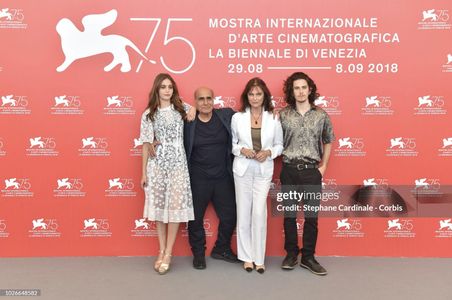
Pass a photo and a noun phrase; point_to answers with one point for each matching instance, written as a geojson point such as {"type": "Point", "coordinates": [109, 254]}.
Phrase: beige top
{"type": "Point", "coordinates": [256, 138]}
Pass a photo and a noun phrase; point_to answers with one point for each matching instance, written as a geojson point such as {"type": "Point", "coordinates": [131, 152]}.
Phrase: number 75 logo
{"type": "Point", "coordinates": [167, 40]}
{"type": "Point", "coordinates": [77, 44]}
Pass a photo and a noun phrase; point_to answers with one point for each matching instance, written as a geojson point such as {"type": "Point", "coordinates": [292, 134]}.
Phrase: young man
{"type": "Point", "coordinates": [208, 144]}
{"type": "Point", "coordinates": [308, 134]}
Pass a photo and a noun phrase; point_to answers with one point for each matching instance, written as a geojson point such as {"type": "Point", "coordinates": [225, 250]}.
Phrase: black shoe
{"type": "Point", "coordinates": [199, 262]}
{"type": "Point", "coordinates": [227, 255]}
{"type": "Point", "coordinates": [289, 262]}
{"type": "Point", "coordinates": [313, 265]}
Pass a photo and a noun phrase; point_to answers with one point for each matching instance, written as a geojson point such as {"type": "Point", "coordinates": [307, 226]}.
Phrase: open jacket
{"type": "Point", "coordinates": [271, 139]}
{"type": "Point", "coordinates": [225, 115]}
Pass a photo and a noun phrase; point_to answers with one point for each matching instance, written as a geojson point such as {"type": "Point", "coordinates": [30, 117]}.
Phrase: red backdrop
{"type": "Point", "coordinates": [397, 55]}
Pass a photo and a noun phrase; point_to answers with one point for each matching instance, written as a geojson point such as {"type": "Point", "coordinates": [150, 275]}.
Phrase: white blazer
{"type": "Point", "coordinates": [271, 139]}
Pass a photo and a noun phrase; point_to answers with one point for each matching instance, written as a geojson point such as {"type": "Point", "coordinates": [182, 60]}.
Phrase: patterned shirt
{"type": "Point", "coordinates": [304, 135]}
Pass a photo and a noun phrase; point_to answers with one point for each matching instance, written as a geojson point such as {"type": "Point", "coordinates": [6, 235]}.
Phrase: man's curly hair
{"type": "Point", "coordinates": [288, 88]}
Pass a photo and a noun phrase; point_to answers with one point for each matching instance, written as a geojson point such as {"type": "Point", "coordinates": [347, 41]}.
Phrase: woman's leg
{"type": "Point", "coordinates": [171, 239]}
{"type": "Point", "coordinates": [161, 230]}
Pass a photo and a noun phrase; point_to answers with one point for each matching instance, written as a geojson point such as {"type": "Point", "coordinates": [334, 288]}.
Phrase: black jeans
{"type": "Point", "coordinates": [310, 180]}
{"type": "Point", "coordinates": [222, 194]}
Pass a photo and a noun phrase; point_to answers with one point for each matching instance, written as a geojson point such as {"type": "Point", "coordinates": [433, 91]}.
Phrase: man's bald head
{"type": "Point", "coordinates": [204, 91]}
{"type": "Point", "coordinates": [204, 101]}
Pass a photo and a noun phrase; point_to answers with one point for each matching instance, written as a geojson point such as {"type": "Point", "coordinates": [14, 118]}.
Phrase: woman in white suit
{"type": "Point", "coordinates": [257, 139]}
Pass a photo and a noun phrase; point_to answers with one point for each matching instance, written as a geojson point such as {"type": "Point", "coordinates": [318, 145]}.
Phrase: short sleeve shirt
{"type": "Point", "coordinates": [209, 150]}
{"type": "Point", "coordinates": [305, 134]}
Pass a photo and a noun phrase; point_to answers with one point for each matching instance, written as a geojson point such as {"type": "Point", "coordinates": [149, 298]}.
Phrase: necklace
{"type": "Point", "coordinates": [256, 119]}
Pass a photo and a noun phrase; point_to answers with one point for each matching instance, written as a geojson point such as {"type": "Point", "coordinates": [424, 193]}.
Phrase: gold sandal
{"type": "Point", "coordinates": [159, 260]}
{"type": "Point", "coordinates": [165, 267]}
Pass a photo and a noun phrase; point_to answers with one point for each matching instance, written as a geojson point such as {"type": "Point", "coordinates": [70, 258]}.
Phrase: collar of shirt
{"type": "Point", "coordinates": [313, 107]}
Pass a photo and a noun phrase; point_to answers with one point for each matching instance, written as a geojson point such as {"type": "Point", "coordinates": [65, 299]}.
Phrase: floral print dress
{"type": "Point", "coordinates": [168, 193]}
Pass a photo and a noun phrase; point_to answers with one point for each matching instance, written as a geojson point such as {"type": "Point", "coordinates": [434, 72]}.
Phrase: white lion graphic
{"type": "Point", "coordinates": [449, 58]}
{"type": "Point", "coordinates": [321, 101]}
{"type": "Point", "coordinates": [425, 100]}
{"type": "Point", "coordinates": [343, 223]}
{"type": "Point", "coordinates": [90, 223]}
{"type": "Point", "coordinates": [39, 223]}
{"type": "Point", "coordinates": [397, 142]}
{"type": "Point", "coordinates": [218, 101]}
{"type": "Point", "coordinates": [8, 100]}
{"type": "Point", "coordinates": [78, 44]}
{"type": "Point", "coordinates": [89, 141]}
{"type": "Point", "coordinates": [345, 142]}
{"type": "Point", "coordinates": [429, 14]}
{"type": "Point", "coordinates": [394, 224]}
{"type": "Point", "coordinates": [4, 13]}
{"type": "Point", "coordinates": [372, 100]}
{"type": "Point", "coordinates": [141, 223]}
{"type": "Point", "coordinates": [447, 142]}
{"type": "Point", "coordinates": [61, 100]}
{"type": "Point", "coordinates": [114, 100]}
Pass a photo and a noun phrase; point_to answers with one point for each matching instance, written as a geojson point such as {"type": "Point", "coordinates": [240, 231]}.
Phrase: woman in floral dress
{"type": "Point", "coordinates": [165, 177]}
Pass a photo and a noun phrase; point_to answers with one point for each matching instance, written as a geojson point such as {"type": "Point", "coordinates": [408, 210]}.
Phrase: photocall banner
{"type": "Point", "coordinates": [75, 78]}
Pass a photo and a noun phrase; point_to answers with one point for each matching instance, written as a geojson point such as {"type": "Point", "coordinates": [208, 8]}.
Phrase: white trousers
{"type": "Point", "coordinates": [251, 192]}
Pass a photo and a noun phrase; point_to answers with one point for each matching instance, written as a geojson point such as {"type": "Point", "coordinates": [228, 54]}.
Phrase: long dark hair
{"type": "Point", "coordinates": [256, 82]}
{"type": "Point", "coordinates": [288, 88]}
{"type": "Point", "coordinates": [154, 101]}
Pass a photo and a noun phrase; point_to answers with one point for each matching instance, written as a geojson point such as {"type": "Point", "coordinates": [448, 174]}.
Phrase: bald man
{"type": "Point", "coordinates": [208, 144]}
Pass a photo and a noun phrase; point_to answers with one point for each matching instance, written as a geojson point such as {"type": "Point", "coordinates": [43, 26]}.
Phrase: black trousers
{"type": "Point", "coordinates": [306, 180]}
{"type": "Point", "coordinates": [222, 194]}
